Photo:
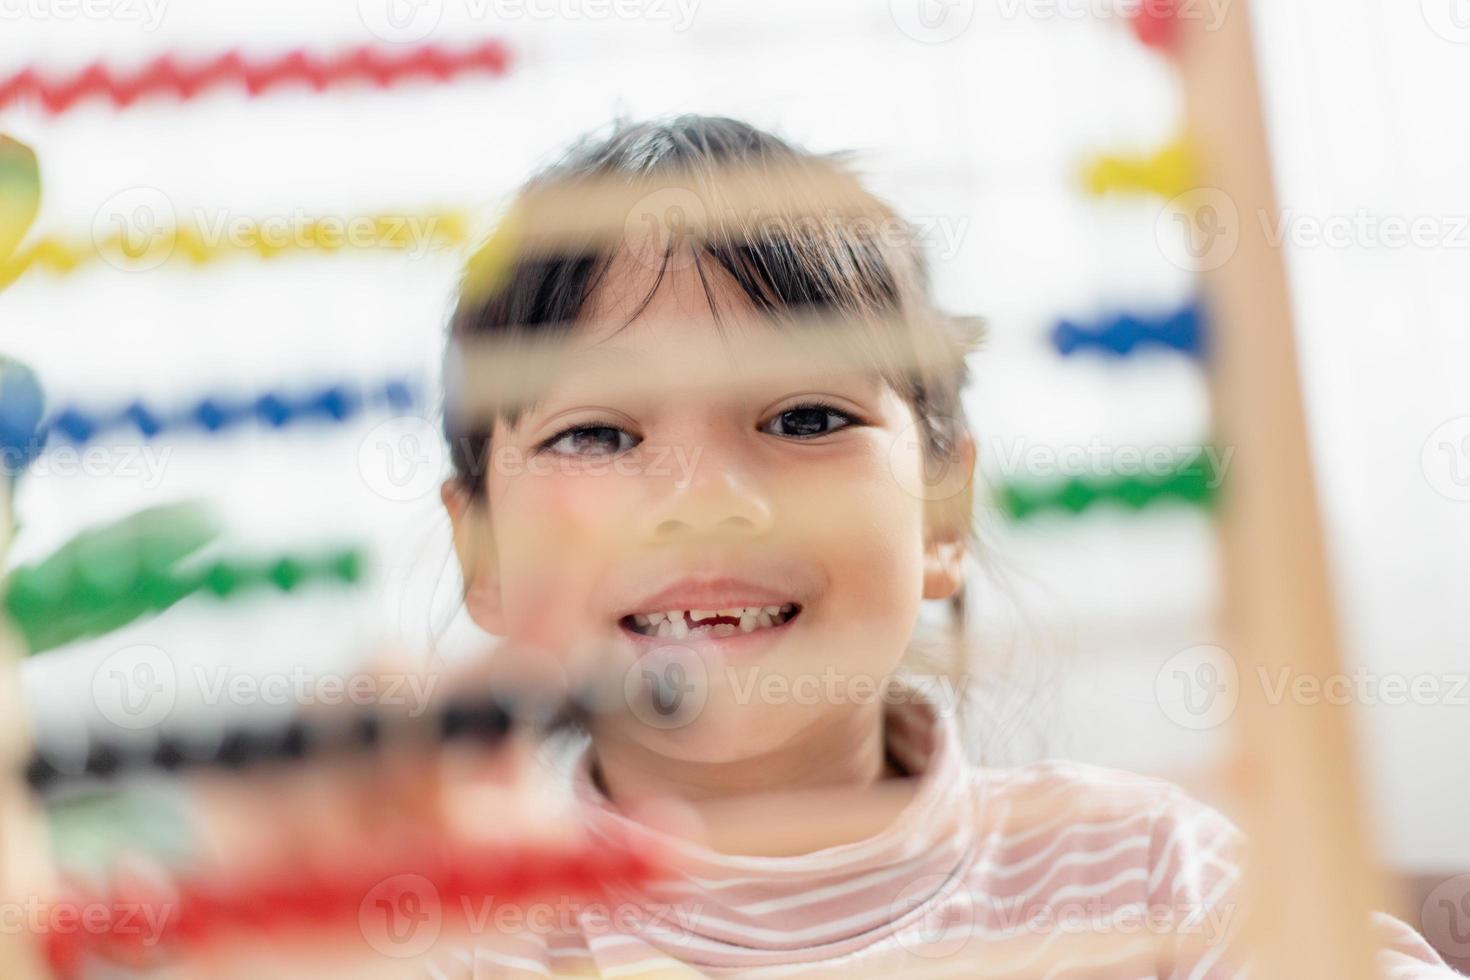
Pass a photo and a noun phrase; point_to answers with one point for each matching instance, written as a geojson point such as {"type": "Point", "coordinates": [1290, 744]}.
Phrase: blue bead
{"type": "Point", "coordinates": [213, 416]}
{"type": "Point", "coordinates": [399, 396]}
{"type": "Point", "coordinates": [1186, 330]}
{"type": "Point", "coordinates": [145, 420]}
{"type": "Point", "coordinates": [273, 409]}
{"type": "Point", "coordinates": [1124, 334]}
{"type": "Point", "coordinates": [76, 426]}
{"type": "Point", "coordinates": [1067, 337]}
{"type": "Point", "coordinates": [336, 403]}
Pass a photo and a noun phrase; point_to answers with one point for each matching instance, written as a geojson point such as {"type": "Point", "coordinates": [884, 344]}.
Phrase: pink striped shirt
{"type": "Point", "coordinates": [1054, 869]}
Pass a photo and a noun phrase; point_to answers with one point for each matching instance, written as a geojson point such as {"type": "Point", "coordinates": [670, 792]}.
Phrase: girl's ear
{"type": "Point", "coordinates": [474, 544]}
{"type": "Point", "coordinates": [947, 523]}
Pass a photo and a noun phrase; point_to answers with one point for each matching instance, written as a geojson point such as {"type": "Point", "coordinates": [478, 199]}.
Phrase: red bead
{"type": "Point", "coordinates": [1155, 22]}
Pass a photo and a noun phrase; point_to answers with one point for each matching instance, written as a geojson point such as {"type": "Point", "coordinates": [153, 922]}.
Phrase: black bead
{"type": "Point", "coordinates": [486, 720]}
{"type": "Point", "coordinates": [40, 774]}
{"type": "Point", "coordinates": [367, 730]}
{"type": "Point", "coordinates": [237, 750]}
{"type": "Point", "coordinates": [295, 741]}
{"type": "Point", "coordinates": [490, 720]}
{"type": "Point", "coordinates": [168, 754]}
{"type": "Point", "coordinates": [454, 721]}
{"type": "Point", "coordinates": [103, 761]}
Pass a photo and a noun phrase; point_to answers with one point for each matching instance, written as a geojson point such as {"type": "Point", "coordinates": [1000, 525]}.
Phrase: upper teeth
{"type": "Point", "coordinates": [676, 622]}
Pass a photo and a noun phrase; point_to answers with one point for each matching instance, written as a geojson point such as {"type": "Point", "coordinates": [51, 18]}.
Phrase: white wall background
{"type": "Point", "coordinates": [980, 136]}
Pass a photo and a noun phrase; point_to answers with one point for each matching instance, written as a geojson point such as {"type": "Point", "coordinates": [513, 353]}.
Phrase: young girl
{"type": "Point", "coordinates": [840, 831]}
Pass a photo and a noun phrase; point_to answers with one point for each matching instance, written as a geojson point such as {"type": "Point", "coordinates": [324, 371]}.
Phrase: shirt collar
{"type": "Point", "coordinates": [724, 910]}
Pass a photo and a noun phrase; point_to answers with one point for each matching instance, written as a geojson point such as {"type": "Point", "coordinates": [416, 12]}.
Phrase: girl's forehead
{"type": "Point", "coordinates": [635, 307]}
{"type": "Point", "coordinates": [644, 333]}
{"type": "Point", "coordinates": [681, 288]}
{"type": "Point", "coordinates": [671, 349]}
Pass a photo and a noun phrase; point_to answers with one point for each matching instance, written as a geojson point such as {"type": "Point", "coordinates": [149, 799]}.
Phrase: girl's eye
{"type": "Point", "coordinates": [808, 422]}
{"type": "Point", "coordinates": [590, 440]}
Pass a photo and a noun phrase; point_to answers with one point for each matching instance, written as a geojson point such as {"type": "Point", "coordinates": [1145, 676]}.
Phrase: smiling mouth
{"type": "Point", "coordinates": [679, 623]}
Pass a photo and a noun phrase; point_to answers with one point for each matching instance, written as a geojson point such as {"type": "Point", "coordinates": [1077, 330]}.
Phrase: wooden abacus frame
{"type": "Point", "coordinates": [1310, 882]}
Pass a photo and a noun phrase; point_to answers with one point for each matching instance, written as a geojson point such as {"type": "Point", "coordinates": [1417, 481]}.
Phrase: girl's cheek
{"type": "Point", "coordinates": [859, 495]}
{"type": "Point", "coordinates": [876, 532]}
{"type": "Point", "coordinates": [561, 496]}
{"type": "Point", "coordinates": [592, 503]}
{"type": "Point", "coordinates": [561, 532]}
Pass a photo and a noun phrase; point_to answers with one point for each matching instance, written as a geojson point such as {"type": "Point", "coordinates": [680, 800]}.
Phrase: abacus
{"type": "Point", "coordinates": [1310, 882]}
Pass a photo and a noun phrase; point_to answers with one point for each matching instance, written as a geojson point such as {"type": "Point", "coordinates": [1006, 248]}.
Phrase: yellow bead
{"type": "Point", "coordinates": [1167, 174]}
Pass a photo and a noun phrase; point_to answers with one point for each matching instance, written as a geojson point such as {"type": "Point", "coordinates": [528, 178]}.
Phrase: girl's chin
{"type": "Point", "coordinates": [729, 733]}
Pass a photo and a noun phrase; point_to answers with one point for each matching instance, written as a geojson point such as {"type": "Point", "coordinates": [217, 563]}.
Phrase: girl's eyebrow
{"type": "Point", "coordinates": [527, 376]}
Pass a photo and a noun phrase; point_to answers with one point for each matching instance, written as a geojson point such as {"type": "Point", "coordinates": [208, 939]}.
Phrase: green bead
{"type": "Point", "coordinates": [346, 566]}
{"type": "Point", "coordinates": [159, 590]}
{"type": "Point", "coordinates": [287, 573]}
{"type": "Point", "coordinates": [1015, 501]}
{"type": "Point", "coordinates": [1194, 481]}
{"type": "Point", "coordinates": [1075, 496]}
{"type": "Point", "coordinates": [52, 580]}
{"type": "Point", "coordinates": [61, 602]}
{"type": "Point", "coordinates": [24, 596]}
{"type": "Point", "coordinates": [28, 606]}
{"type": "Point", "coordinates": [221, 579]}
{"type": "Point", "coordinates": [102, 583]}
{"type": "Point", "coordinates": [1135, 493]}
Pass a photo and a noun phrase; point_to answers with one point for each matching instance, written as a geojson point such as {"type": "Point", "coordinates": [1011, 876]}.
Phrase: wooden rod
{"type": "Point", "coordinates": [1309, 884]}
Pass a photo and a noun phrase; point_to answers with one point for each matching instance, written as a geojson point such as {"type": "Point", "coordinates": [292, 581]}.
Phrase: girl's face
{"type": "Point", "coordinates": [750, 543]}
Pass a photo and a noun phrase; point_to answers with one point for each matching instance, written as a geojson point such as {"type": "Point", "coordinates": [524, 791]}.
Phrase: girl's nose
{"type": "Point", "coordinates": [714, 500]}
